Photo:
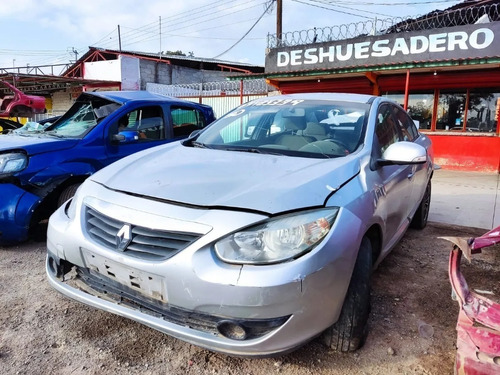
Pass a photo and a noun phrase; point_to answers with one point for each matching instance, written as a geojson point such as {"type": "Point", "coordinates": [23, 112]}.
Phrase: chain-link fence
{"type": "Point", "coordinates": [379, 26]}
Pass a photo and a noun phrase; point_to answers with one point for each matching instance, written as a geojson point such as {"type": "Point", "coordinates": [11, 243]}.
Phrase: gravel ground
{"type": "Point", "coordinates": [411, 328]}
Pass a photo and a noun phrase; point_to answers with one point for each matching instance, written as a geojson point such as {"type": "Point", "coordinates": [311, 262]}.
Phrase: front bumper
{"type": "Point", "coordinates": [293, 301]}
{"type": "Point", "coordinates": [16, 209]}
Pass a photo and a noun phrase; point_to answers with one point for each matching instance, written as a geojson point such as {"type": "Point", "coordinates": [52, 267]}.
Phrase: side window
{"type": "Point", "coordinates": [386, 128]}
{"type": "Point", "coordinates": [408, 128]}
{"type": "Point", "coordinates": [186, 120]}
{"type": "Point", "coordinates": [147, 122]}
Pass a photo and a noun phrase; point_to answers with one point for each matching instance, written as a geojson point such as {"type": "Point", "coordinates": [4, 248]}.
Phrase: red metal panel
{"type": "Point", "coordinates": [352, 85]}
{"type": "Point", "coordinates": [441, 80]}
{"type": "Point", "coordinates": [466, 153]}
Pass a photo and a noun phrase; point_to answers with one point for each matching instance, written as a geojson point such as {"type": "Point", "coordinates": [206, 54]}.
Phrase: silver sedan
{"type": "Point", "coordinates": [256, 234]}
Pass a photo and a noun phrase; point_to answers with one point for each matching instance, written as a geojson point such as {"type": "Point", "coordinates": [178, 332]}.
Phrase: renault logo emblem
{"type": "Point", "coordinates": [124, 237]}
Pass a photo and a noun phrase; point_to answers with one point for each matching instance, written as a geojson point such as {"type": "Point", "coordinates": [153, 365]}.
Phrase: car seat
{"type": "Point", "coordinates": [315, 130]}
{"type": "Point", "coordinates": [290, 137]}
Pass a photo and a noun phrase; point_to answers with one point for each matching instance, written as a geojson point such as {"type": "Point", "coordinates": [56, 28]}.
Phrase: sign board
{"type": "Point", "coordinates": [445, 44]}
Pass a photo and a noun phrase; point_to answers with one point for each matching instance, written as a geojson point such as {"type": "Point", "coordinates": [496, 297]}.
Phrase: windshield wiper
{"type": "Point", "coordinates": [199, 144]}
{"type": "Point", "coordinates": [254, 150]}
{"type": "Point", "coordinates": [52, 133]}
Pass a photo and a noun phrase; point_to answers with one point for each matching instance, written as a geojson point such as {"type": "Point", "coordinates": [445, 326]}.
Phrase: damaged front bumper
{"type": "Point", "coordinates": [478, 327]}
{"type": "Point", "coordinates": [241, 310]}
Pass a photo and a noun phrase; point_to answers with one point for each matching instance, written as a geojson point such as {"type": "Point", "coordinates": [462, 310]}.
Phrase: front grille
{"type": "Point", "coordinates": [146, 243]}
{"type": "Point", "coordinates": [125, 296]}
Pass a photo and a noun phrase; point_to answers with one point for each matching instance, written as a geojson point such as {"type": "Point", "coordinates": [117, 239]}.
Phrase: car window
{"type": "Point", "coordinates": [306, 128]}
{"type": "Point", "coordinates": [186, 120]}
{"type": "Point", "coordinates": [147, 122]}
{"type": "Point", "coordinates": [408, 128]}
{"type": "Point", "coordinates": [386, 129]}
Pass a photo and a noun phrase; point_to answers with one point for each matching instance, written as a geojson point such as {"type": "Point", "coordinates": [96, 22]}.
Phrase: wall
{"type": "Point", "coordinates": [467, 153]}
{"type": "Point", "coordinates": [154, 72]}
{"type": "Point", "coordinates": [61, 101]}
{"type": "Point", "coordinates": [109, 70]}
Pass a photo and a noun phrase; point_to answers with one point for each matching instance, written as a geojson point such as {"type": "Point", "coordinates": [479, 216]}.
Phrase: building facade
{"type": "Point", "coordinates": [444, 68]}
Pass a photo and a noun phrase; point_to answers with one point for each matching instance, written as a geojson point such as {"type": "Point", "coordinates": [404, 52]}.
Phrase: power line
{"type": "Point", "coordinates": [335, 10]}
{"type": "Point", "coordinates": [356, 9]}
{"type": "Point", "coordinates": [248, 32]}
{"type": "Point", "coordinates": [416, 2]}
{"type": "Point", "coordinates": [137, 39]}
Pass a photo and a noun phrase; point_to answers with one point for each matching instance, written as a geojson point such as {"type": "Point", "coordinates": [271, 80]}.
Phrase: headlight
{"type": "Point", "coordinates": [12, 162]}
{"type": "Point", "coordinates": [278, 239]}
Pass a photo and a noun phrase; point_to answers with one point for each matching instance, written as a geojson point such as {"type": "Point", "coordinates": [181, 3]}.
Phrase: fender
{"type": "Point", "coordinates": [55, 174]}
{"type": "Point", "coordinates": [15, 212]}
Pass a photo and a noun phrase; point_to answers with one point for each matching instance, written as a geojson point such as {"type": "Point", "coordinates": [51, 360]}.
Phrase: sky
{"type": "Point", "coordinates": [46, 32]}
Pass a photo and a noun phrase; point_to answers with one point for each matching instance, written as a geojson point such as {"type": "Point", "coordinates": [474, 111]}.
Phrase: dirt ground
{"type": "Point", "coordinates": [411, 329]}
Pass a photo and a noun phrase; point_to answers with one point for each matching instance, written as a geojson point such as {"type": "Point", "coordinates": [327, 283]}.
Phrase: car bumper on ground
{"type": "Point", "coordinates": [478, 326]}
{"type": "Point", "coordinates": [16, 209]}
{"type": "Point", "coordinates": [193, 296]}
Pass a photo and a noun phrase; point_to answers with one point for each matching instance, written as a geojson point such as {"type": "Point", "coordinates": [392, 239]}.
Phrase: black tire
{"type": "Point", "coordinates": [419, 220]}
{"type": "Point", "coordinates": [66, 194]}
{"type": "Point", "coordinates": [21, 111]}
{"type": "Point", "coordinates": [349, 332]}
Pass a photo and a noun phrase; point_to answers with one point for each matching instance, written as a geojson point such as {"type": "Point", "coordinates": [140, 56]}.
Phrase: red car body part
{"type": "Point", "coordinates": [478, 326]}
{"type": "Point", "coordinates": [15, 103]}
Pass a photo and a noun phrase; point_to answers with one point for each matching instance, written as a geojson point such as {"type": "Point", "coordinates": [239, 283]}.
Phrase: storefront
{"type": "Point", "coordinates": [447, 77]}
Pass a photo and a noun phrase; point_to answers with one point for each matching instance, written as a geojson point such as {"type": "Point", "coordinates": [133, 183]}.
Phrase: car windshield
{"type": "Point", "coordinates": [86, 113]}
{"type": "Point", "coordinates": [294, 127]}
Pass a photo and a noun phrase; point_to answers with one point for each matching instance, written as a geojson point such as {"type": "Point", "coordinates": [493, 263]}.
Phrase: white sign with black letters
{"type": "Point", "coordinates": [454, 43]}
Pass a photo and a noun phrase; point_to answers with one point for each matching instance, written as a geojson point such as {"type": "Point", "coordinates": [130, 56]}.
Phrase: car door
{"type": "Point", "coordinates": [419, 172]}
{"type": "Point", "coordinates": [136, 130]}
{"type": "Point", "coordinates": [393, 191]}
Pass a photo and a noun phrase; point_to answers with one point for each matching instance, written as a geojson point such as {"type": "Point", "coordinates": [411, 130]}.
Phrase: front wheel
{"type": "Point", "coordinates": [67, 193]}
{"type": "Point", "coordinates": [349, 332]}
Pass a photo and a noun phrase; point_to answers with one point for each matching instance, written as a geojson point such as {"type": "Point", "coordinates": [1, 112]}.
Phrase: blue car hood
{"type": "Point", "coordinates": [216, 178]}
{"type": "Point", "coordinates": [35, 144]}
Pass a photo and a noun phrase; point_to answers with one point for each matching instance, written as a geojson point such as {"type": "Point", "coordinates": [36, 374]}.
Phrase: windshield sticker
{"type": "Point", "coordinates": [236, 113]}
{"type": "Point", "coordinates": [274, 102]}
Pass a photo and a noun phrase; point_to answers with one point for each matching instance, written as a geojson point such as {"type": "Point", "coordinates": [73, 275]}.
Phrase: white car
{"type": "Point", "coordinates": [244, 240]}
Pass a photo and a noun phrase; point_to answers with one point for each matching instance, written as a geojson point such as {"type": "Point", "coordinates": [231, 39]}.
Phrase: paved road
{"type": "Point", "coordinates": [468, 199]}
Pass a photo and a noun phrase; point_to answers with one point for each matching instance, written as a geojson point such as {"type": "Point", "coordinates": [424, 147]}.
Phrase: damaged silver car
{"type": "Point", "coordinates": [256, 234]}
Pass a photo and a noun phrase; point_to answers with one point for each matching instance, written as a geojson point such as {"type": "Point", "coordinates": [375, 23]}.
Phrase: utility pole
{"type": "Point", "coordinates": [75, 52]}
{"type": "Point", "coordinates": [119, 39]}
{"type": "Point", "coordinates": [160, 36]}
{"type": "Point", "coordinates": [279, 17]}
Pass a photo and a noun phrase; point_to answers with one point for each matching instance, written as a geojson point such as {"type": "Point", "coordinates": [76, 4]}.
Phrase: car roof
{"type": "Point", "coordinates": [122, 97]}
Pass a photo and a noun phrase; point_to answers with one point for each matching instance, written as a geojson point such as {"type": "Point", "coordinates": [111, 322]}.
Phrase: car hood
{"type": "Point", "coordinates": [228, 179]}
{"type": "Point", "coordinates": [35, 144]}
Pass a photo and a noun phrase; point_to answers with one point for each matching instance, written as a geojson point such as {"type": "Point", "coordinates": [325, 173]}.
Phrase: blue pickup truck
{"type": "Point", "coordinates": [41, 169]}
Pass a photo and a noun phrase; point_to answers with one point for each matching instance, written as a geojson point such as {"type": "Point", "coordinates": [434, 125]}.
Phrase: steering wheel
{"type": "Point", "coordinates": [340, 144]}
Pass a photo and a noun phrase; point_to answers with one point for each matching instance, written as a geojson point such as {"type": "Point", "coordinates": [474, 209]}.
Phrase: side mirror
{"type": "Point", "coordinates": [127, 136]}
{"type": "Point", "coordinates": [402, 153]}
{"type": "Point", "coordinates": [194, 133]}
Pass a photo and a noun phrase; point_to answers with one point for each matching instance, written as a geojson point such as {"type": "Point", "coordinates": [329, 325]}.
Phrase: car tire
{"type": "Point", "coordinates": [67, 193]}
{"type": "Point", "coordinates": [419, 220]}
{"type": "Point", "coordinates": [349, 332]}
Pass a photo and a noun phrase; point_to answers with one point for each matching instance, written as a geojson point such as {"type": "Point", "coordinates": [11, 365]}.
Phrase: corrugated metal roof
{"type": "Point", "coordinates": [187, 58]}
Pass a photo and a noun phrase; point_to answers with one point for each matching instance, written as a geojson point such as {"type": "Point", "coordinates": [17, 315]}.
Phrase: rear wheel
{"type": "Point", "coordinates": [419, 220]}
{"type": "Point", "coordinates": [349, 332]}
